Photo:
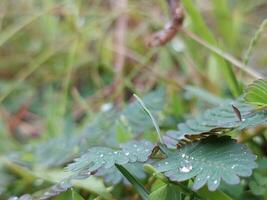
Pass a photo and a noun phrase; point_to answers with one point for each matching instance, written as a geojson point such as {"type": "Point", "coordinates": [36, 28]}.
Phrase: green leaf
{"type": "Point", "coordinates": [166, 192]}
{"type": "Point", "coordinates": [134, 114]}
{"type": "Point", "coordinates": [75, 195]}
{"type": "Point", "coordinates": [256, 93]}
{"type": "Point", "coordinates": [209, 160]}
{"type": "Point", "coordinates": [113, 176]}
{"type": "Point", "coordinates": [102, 130]}
{"type": "Point", "coordinates": [258, 184]}
{"type": "Point", "coordinates": [23, 197]}
{"type": "Point", "coordinates": [56, 189]}
{"type": "Point", "coordinates": [136, 184]}
{"type": "Point", "coordinates": [214, 195]}
{"type": "Point", "coordinates": [215, 121]}
{"type": "Point", "coordinates": [103, 157]}
{"type": "Point", "coordinates": [200, 27]}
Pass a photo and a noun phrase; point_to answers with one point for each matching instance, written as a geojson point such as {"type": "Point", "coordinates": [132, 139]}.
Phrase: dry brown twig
{"type": "Point", "coordinates": [168, 33]}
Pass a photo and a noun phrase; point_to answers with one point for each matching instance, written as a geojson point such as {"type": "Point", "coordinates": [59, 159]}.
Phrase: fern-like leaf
{"type": "Point", "coordinates": [56, 189]}
{"type": "Point", "coordinates": [23, 197]}
{"type": "Point", "coordinates": [256, 93]}
{"type": "Point", "coordinates": [105, 158]}
{"type": "Point", "coordinates": [100, 131]}
{"type": "Point", "coordinates": [209, 160]}
{"type": "Point", "coordinates": [216, 121]}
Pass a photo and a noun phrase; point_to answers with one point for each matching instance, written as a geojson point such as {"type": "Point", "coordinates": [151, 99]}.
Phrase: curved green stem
{"type": "Point", "coordinates": [151, 117]}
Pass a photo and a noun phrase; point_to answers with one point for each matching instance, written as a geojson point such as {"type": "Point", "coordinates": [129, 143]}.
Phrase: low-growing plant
{"type": "Point", "coordinates": [191, 162]}
{"type": "Point", "coordinates": [72, 126]}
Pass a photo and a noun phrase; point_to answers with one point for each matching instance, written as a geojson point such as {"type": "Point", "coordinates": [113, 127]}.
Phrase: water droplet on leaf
{"type": "Point", "coordinates": [185, 169]}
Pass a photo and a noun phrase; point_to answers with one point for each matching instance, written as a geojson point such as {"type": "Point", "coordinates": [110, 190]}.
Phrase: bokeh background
{"type": "Point", "coordinates": [64, 62]}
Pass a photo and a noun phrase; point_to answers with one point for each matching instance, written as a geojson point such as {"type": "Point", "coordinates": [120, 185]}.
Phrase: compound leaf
{"type": "Point", "coordinates": [100, 131]}
{"type": "Point", "coordinates": [209, 161]}
{"type": "Point", "coordinates": [216, 121]}
{"type": "Point", "coordinates": [256, 93]}
{"type": "Point", "coordinates": [104, 158]}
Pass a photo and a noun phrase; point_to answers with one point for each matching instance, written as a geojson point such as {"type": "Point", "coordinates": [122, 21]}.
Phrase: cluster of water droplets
{"type": "Point", "coordinates": [23, 197]}
{"type": "Point", "coordinates": [57, 189]}
{"type": "Point", "coordinates": [186, 166]}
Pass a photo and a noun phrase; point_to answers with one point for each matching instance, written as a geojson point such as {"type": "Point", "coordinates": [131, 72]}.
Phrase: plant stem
{"type": "Point", "coordinates": [151, 117]}
{"type": "Point", "coordinates": [224, 55]}
{"type": "Point", "coordinates": [136, 184]}
{"type": "Point", "coordinates": [254, 41]}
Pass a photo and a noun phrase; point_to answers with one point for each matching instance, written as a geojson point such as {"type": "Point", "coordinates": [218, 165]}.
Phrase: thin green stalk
{"type": "Point", "coordinates": [67, 80]}
{"type": "Point", "coordinates": [254, 41]}
{"type": "Point", "coordinates": [225, 55]}
{"type": "Point", "coordinates": [35, 64]}
{"type": "Point", "coordinates": [151, 170]}
{"type": "Point", "coordinates": [6, 34]}
{"type": "Point", "coordinates": [136, 183]}
{"type": "Point", "coordinates": [199, 26]}
{"type": "Point", "coordinates": [12, 30]}
{"type": "Point", "coordinates": [151, 117]}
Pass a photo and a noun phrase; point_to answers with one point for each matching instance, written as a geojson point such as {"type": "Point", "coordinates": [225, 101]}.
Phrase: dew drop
{"type": "Point", "coordinates": [166, 163]}
{"type": "Point", "coordinates": [215, 182]}
{"type": "Point", "coordinates": [101, 156]}
{"type": "Point", "coordinates": [127, 153]}
{"type": "Point", "coordinates": [233, 166]}
{"type": "Point", "coordinates": [47, 193]}
{"type": "Point", "coordinates": [135, 145]}
{"type": "Point", "coordinates": [106, 107]}
{"type": "Point", "coordinates": [208, 177]}
{"type": "Point", "coordinates": [185, 169]}
{"type": "Point", "coordinates": [13, 198]}
{"type": "Point", "coordinates": [243, 120]}
{"type": "Point", "coordinates": [183, 155]}
{"type": "Point", "coordinates": [115, 152]}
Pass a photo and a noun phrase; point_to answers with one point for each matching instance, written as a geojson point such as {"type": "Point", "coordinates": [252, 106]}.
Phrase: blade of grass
{"type": "Point", "coordinates": [199, 26]}
{"type": "Point", "coordinates": [35, 64]}
{"type": "Point", "coordinates": [67, 79]}
{"type": "Point", "coordinates": [136, 183]}
{"type": "Point", "coordinates": [12, 30]}
{"type": "Point", "coordinates": [151, 117]}
{"type": "Point", "coordinates": [224, 17]}
{"type": "Point", "coordinates": [5, 35]}
{"type": "Point", "coordinates": [216, 195]}
{"type": "Point", "coordinates": [254, 41]}
{"type": "Point", "coordinates": [225, 55]}
{"type": "Point", "coordinates": [75, 195]}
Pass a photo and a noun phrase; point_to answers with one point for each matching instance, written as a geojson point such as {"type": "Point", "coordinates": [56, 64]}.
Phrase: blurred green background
{"type": "Point", "coordinates": [62, 62]}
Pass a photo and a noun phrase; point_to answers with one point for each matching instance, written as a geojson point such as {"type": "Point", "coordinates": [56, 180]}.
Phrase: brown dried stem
{"type": "Point", "coordinates": [167, 34]}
